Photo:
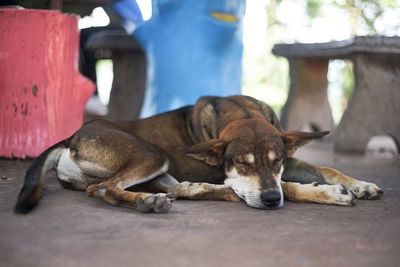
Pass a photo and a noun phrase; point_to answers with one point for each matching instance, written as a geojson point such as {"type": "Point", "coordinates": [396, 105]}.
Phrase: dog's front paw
{"type": "Point", "coordinates": [159, 203]}
{"type": "Point", "coordinates": [337, 195]}
{"type": "Point", "coordinates": [316, 193]}
{"type": "Point", "coordinates": [364, 190]}
{"type": "Point", "coordinates": [95, 191]}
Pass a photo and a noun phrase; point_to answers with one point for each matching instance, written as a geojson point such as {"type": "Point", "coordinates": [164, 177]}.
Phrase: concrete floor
{"type": "Point", "coordinates": [69, 229]}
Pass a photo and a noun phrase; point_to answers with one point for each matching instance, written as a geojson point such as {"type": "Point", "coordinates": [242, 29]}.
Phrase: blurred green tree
{"type": "Point", "coordinates": [266, 76]}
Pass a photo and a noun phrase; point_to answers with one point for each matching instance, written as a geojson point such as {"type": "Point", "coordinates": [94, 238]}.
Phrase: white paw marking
{"type": "Point", "coordinates": [326, 194]}
{"type": "Point", "coordinates": [159, 203]}
{"type": "Point", "coordinates": [338, 194]}
{"type": "Point", "coordinates": [365, 190]}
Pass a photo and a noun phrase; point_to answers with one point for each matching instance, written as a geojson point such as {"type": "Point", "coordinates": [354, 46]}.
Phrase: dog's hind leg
{"type": "Point", "coordinates": [113, 190]}
{"type": "Point", "coordinates": [302, 172]}
{"type": "Point", "coordinates": [144, 202]}
{"type": "Point", "coordinates": [109, 161]}
{"type": "Point", "coordinates": [194, 191]}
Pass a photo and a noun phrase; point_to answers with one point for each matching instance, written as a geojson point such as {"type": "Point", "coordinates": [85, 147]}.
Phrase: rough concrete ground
{"type": "Point", "coordinates": [69, 229]}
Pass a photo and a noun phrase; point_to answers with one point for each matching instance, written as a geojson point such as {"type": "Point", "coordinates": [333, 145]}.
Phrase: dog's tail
{"type": "Point", "coordinates": [35, 176]}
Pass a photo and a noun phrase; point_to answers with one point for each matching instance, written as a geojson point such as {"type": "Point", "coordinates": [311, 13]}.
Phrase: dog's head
{"type": "Point", "coordinates": [253, 154]}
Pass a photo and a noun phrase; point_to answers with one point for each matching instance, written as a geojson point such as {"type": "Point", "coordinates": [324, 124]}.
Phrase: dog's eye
{"type": "Point", "coordinates": [276, 161]}
{"type": "Point", "coordinates": [240, 162]}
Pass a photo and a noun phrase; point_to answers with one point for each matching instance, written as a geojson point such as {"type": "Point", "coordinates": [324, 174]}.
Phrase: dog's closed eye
{"type": "Point", "coordinates": [240, 162]}
{"type": "Point", "coordinates": [245, 160]}
{"type": "Point", "coordinates": [276, 161]}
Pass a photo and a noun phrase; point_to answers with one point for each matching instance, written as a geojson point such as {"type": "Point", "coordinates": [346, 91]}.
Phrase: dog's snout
{"type": "Point", "coordinates": [270, 199]}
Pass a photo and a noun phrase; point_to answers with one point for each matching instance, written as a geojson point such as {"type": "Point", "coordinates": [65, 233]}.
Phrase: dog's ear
{"type": "Point", "coordinates": [294, 140]}
{"type": "Point", "coordinates": [211, 151]}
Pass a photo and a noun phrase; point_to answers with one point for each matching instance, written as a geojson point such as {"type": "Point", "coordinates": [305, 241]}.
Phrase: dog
{"type": "Point", "coordinates": [222, 148]}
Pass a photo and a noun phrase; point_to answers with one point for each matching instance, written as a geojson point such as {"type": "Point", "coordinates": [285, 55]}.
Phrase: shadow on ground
{"type": "Point", "coordinates": [69, 229]}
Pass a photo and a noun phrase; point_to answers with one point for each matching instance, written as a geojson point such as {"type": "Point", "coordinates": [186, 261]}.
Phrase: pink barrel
{"type": "Point", "coordinates": [42, 94]}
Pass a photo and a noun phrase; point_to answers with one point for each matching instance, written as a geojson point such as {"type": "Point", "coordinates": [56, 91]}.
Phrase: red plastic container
{"type": "Point", "coordinates": [42, 94]}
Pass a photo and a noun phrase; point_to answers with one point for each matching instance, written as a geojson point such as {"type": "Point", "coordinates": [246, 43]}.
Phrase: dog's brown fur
{"type": "Point", "coordinates": [220, 149]}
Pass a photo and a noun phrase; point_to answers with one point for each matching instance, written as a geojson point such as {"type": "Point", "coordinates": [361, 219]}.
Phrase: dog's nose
{"type": "Point", "coordinates": [270, 199]}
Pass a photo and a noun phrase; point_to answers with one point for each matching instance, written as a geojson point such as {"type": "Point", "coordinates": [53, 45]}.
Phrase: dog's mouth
{"type": "Point", "coordinates": [253, 196]}
{"type": "Point", "coordinates": [255, 202]}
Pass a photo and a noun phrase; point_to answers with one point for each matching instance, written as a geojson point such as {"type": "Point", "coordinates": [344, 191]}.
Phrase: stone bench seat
{"type": "Point", "coordinates": [374, 108]}
{"type": "Point", "coordinates": [340, 49]}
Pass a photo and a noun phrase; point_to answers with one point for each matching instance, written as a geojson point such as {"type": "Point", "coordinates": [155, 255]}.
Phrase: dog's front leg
{"type": "Point", "coordinates": [317, 193]}
{"type": "Point", "coordinates": [195, 191]}
{"type": "Point", "coordinates": [300, 171]}
{"type": "Point", "coordinates": [205, 191]}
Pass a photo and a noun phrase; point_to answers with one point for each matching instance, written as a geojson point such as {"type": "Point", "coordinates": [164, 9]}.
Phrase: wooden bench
{"type": "Point", "coordinates": [374, 108]}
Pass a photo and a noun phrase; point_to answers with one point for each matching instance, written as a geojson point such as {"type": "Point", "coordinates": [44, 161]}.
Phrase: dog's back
{"type": "Point", "coordinates": [212, 114]}
{"type": "Point", "coordinates": [190, 125]}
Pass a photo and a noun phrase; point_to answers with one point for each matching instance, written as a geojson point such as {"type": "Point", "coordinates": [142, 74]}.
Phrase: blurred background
{"type": "Point", "coordinates": [268, 22]}
{"type": "Point", "coordinates": [167, 53]}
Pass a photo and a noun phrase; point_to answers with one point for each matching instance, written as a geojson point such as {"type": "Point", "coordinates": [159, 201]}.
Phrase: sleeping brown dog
{"type": "Point", "coordinates": [229, 149]}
